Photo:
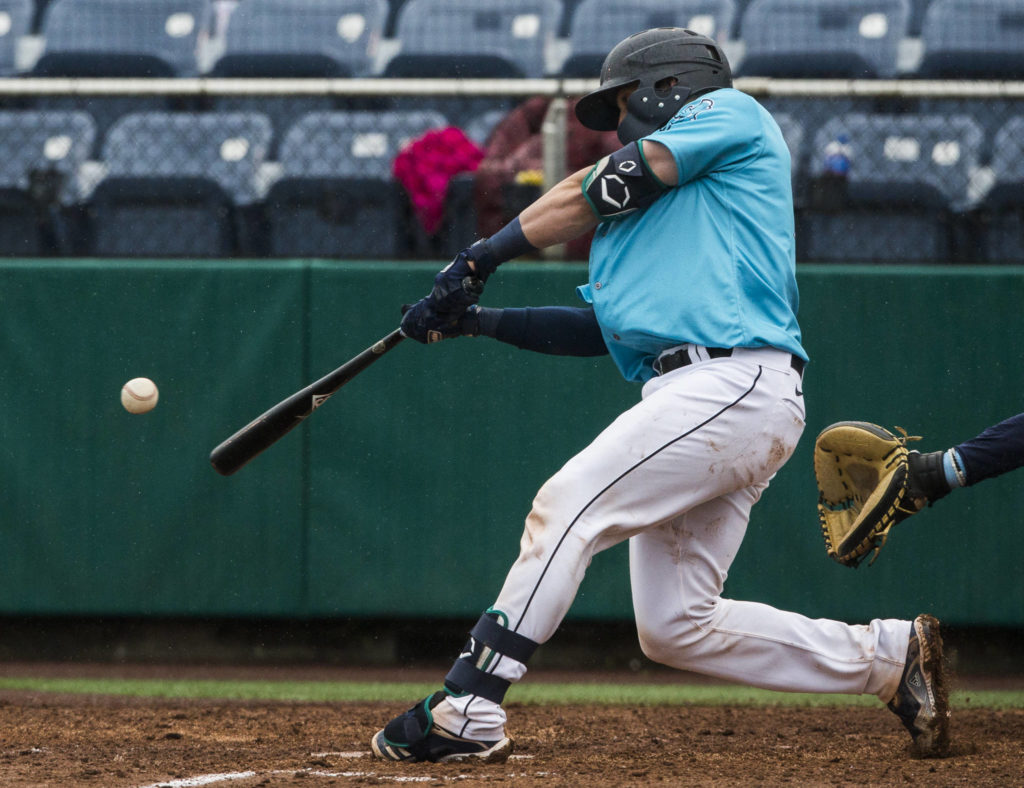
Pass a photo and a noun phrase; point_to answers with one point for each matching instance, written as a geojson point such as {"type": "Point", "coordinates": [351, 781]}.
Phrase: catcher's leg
{"type": "Point", "coordinates": [678, 571]}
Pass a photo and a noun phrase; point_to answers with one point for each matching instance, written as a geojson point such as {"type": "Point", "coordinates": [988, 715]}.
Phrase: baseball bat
{"type": "Point", "coordinates": [264, 431]}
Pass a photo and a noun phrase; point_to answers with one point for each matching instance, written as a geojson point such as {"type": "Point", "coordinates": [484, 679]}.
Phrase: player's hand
{"type": "Point", "coordinates": [421, 323]}
{"type": "Point", "coordinates": [437, 316]}
{"type": "Point", "coordinates": [456, 287]}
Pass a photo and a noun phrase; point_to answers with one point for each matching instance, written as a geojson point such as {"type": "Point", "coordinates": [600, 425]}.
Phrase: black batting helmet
{"type": "Point", "coordinates": [697, 63]}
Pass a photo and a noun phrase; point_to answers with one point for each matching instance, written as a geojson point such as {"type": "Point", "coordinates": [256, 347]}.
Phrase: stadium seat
{"type": "Point", "coordinates": [15, 22]}
{"type": "Point", "coordinates": [973, 39]}
{"type": "Point", "coordinates": [175, 182]}
{"type": "Point", "coordinates": [337, 196]}
{"type": "Point", "coordinates": [474, 38]}
{"type": "Point", "coordinates": [39, 178]}
{"type": "Point", "coordinates": [917, 12]}
{"type": "Point", "coordinates": [120, 38]}
{"type": "Point", "coordinates": [823, 38]}
{"type": "Point", "coordinates": [908, 180]}
{"type": "Point", "coordinates": [1002, 209]}
{"type": "Point", "coordinates": [123, 38]}
{"type": "Point", "coordinates": [598, 25]}
{"type": "Point", "coordinates": [302, 38]}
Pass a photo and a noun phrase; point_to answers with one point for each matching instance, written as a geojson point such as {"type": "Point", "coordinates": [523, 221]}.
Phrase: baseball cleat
{"type": "Point", "coordinates": [414, 736]}
{"type": "Point", "coordinates": [920, 701]}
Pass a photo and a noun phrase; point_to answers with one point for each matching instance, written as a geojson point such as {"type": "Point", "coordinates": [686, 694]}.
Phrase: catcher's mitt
{"type": "Point", "coordinates": [864, 487]}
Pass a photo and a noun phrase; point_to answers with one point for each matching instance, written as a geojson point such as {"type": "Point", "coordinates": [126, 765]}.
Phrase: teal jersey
{"type": "Point", "coordinates": [712, 260]}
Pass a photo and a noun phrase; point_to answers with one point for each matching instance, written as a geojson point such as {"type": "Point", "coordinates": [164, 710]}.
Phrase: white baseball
{"type": "Point", "coordinates": [139, 395]}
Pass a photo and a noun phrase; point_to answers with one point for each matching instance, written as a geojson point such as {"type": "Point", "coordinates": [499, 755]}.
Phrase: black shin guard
{"type": "Point", "coordinates": [488, 642]}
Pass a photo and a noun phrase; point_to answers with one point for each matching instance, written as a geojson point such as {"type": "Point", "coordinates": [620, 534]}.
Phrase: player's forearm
{"type": "Point", "coordinates": [559, 215]}
{"type": "Point", "coordinates": [555, 330]}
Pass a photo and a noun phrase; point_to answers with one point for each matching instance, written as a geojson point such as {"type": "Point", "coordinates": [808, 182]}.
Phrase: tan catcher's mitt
{"type": "Point", "coordinates": [863, 479]}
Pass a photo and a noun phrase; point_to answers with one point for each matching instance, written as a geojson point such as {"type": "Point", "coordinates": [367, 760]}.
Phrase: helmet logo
{"type": "Point", "coordinates": [614, 184]}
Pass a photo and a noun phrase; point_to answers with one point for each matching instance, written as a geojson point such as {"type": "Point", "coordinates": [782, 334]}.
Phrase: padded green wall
{"type": "Point", "coordinates": [405, 493]}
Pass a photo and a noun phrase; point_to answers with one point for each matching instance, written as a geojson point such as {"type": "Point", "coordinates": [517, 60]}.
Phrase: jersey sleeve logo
{"type": "Point", "coordinates": [691, 112]}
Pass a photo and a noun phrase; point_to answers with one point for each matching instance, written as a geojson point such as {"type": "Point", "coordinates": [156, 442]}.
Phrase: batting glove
{"type": "Point", "coordinates": [421, 323]}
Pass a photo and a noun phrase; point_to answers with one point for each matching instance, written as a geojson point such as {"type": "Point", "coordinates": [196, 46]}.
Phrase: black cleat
{"type": "Point", "coordinates": [920, 701]}
{"type": "Point", "coordinates": [414, 736]}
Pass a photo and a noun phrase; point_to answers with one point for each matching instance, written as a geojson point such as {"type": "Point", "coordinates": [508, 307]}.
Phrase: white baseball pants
{"type": "Point", "coordinates": [677, 475]}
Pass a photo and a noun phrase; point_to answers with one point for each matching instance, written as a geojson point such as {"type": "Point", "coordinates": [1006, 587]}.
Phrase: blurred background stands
{"type": "Point", "coordinates": [403, 40]}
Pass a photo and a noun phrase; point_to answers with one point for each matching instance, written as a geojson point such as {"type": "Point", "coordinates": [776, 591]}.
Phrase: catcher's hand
{"type": "Point", "coordinates": [864, 487]}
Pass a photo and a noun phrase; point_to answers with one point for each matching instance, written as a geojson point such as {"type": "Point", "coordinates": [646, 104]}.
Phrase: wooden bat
{"type": "Point", "coordinates": [286, 415]}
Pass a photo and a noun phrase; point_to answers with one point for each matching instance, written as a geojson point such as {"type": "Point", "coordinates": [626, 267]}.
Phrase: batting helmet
{"type": "Point", "coordinates": [697, 63]}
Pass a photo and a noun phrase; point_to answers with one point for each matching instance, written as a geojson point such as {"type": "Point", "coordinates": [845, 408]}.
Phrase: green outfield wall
{"type": "Point", "coordinates": [404, 495]}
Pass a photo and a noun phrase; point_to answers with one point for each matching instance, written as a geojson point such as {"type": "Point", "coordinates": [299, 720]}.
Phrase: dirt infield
{"type": "Point", "coordinates": [48, 740]}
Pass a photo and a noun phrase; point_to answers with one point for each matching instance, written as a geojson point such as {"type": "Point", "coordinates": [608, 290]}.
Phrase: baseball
{"type": "Point", "coordinates": [139, 395]}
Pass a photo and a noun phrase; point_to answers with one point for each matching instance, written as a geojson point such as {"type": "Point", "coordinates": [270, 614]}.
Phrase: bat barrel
{"type": "Point", "coordinates": [274, 424]}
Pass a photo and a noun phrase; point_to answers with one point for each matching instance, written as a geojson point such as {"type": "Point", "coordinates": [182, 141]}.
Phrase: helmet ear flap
{"type": "Point", "coordinates": [648, 109]}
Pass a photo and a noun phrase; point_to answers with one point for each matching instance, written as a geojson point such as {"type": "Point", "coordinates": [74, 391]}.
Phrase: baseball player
{"type": "Point", "coordinates": [692, 292]}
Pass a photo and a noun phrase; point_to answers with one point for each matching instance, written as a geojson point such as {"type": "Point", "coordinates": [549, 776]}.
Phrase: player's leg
{"type": "Point", "coordinates": [699, 433]}
{"type": "Point", "coordinates": [678, 571]}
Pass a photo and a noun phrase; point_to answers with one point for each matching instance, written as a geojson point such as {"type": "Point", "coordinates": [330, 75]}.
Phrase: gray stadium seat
{"type": "Point", "coordinates": [337, 196]}
{"type": "Point", "coordinates": [302, 38]}
{"type": "Point", "coordinates": [15, 22]}
{"type": "Point", "coordinates": [120, 38]}
{"type": "Point", "coordinates": [474, 38]}
{"type": "Point", "coordinates": [1002, 209]}
{"type": "Point", "coordinates": [823, 38]}
{"type": "Point", "coordinates": [598, 25]}
{"type": "Point", "coordinates": [174, 182]}
{"type": "Point", "coordinates": [908, 179]}
{"type": "Point", "coordinates": [124, 38]}
{"type": "Point", "coordinates": [973, 39]}
{"type": "Point", "coordinates": [43, 153]}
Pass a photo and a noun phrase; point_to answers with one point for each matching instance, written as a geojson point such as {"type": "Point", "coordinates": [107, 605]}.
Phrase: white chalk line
{"type": "Point", "coordinates": [366, 754]}
{"type": "Point", "coordinates": [210, 779]}
{"type": "Point", "coordinates": [202, 779]}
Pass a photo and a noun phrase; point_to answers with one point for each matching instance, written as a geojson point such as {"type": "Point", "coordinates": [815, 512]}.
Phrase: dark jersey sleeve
{"type": "Point", "coordinates": [556, 330]}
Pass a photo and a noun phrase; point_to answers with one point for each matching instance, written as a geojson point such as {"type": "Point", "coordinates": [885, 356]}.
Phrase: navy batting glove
{"type": "Point", "coordinates": [422, 323]}
{"type": "Point", "coordinates": [437, 316]}
{"type": "Point", "coordinates": [456, 287]}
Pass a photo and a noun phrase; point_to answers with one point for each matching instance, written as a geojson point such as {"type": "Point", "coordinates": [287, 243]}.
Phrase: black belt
{"type": "Point", "coordinates": [680, 358]}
